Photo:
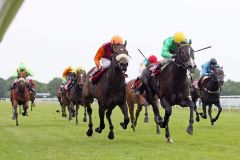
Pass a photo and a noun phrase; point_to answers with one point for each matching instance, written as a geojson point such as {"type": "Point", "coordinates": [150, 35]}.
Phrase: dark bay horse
{"type": "Point", "coordinates": [20, 96]}
{"type": "Point", "coordinates": [109, 91]}
{"type": "Point", "coordinates": [172, 87]}
{"type": "Point", "coordinates": [75, 95]}
{"type": "Point", "coordinates": [209, 94]}
{"type": "Point", "coordinates": [133, 98]}
{"type": "Point", "coordinates": [62, 99]}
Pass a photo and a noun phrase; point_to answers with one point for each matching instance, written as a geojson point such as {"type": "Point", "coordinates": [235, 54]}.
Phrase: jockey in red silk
{"type": "Point", "coordinates": [23, 72]}
{"type": "Point", "coordinates": [151, 60]}
{"type": "Point", "coordinates": [104, 55]}
{"type": "Point", "coordinates": [207, 69]}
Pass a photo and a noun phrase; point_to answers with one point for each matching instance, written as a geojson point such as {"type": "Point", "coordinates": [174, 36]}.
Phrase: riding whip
{"type": "Point", "coordinates": [203, 49]}
{"type": "Point", "coordinates": [142, 54]}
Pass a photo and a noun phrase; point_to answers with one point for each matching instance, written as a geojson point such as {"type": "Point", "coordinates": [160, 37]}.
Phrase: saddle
{"type": "Point", "coordinates": [203, 82]}
{"type": "Point", "coordinates": [96, 75]}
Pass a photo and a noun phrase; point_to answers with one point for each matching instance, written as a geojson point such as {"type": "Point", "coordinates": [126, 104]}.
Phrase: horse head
{"type": "Point", "coordinates": [81, 77]}
{"type": "Point", "coordinates": [21, 85]}
{"type": "Point", "coordinates": [185, 57]}
{"type": "Point", "coordinates": [217, 75]}
{"type": "Point", "coordinates": [120, 57]}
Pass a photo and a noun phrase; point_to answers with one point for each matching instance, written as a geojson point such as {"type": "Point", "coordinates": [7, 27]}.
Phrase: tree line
{"type": "Point", "coordinates": [229, 88]}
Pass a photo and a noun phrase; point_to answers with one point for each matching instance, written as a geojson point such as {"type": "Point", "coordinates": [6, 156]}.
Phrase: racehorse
{"type": "Point", "coordinates": [172, 87]}
{"type": "Point", "coordinates": [133, 98]}
{"type": "Point", "coordinates": [75, 95]}
{"type": "Point", "coordinates": [61, 99]}
{"type": "Point", "coordinates": [209, 94]}
{"type": "Point", "coordinates": [20, 96]}
{"type": "Point", "coordinates": [109, 91]}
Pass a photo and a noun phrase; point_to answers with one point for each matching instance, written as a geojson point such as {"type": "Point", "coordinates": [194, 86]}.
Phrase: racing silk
{"type": "Point", "coordinates": [206, 69]}
{"type": "Point", "coordinates": [27, 72]}
{"type": "Point", "coordinates": [105, 51]}
{"type": "Point", "coordinates": [66, 73]}
{"type": "Point", "coordinates": [168, 47]}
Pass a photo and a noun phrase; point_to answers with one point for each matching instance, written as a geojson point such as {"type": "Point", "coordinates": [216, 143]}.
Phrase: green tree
{"type": "Point", "coordinates": [2, 88]}
{"type": "Point", "coordinates": [53, 86]}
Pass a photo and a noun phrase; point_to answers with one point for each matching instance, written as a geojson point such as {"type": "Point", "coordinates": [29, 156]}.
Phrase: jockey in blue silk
{"type": "Point", "coordinates": [207, 69]}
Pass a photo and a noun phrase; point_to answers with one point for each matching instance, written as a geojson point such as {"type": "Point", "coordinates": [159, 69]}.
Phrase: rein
{"type": "Point", "coordinates": [208, 91]}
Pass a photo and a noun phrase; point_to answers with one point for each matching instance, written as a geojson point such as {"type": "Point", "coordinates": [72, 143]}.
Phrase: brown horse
{"type": "Point", "coordinates": [62, 99]}
{"type": "Point", "coordinates": [75, 95]}
{"type": "Point", "coordinates": [20, 96]}
{"type": "Point", "coordinates": [133, 98]}
{"type": "Point", "coordinates": [109, 91]}
{"type": "Point", "coordinates": [172, 87]}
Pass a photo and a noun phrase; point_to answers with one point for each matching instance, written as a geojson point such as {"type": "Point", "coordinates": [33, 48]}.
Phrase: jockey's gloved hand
{"type": "Point", "coordinates": [174, 56]}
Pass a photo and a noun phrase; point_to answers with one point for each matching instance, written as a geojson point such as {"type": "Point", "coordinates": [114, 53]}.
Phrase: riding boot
{"type": "Point", "coordinates": [93, 73]}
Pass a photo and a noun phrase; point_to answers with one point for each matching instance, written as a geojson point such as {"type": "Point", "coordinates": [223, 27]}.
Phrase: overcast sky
{"type": "Point", "coordinates": [49, 35]}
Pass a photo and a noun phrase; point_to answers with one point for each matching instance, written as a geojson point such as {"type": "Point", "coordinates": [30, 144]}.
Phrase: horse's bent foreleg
{"type": "Point", "coordinates": [25, 107]}
{"type": "Point", "coordinates": [219, 111]}
{"type": "Point", "coordinates": [204, 108]}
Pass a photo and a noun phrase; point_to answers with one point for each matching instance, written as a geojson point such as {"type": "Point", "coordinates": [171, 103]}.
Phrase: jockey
{"type": "Point", "coordinates": [68, 77]}
{"type": "Point", "coordinates": [169, 46]}
{"type": "Point", "coordinates": [207, 69]}
{"type": "Point", "coordinates": [152, 59]}
{"type": "Point", "coordinates": [104, 54]}
{"type": "Point", "coordinates": [22, 72]}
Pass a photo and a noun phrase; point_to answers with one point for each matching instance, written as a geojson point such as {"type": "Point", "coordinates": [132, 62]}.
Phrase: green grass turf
{"type": "Point", "coordinates": [44, 134]}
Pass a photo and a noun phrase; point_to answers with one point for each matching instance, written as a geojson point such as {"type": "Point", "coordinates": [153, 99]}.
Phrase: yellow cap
{"type": "Point", "coordinates": [179, 37]}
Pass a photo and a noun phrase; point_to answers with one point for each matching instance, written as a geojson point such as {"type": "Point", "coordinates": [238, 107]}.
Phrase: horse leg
{"type": "Point", "coordinates": [191, 119]}
{"type": "Point", "coordinates": [167, 134]}
{"type": "Point", "coordinates": [204, 114]}
{"type": "Point", "coordinates": [210, 113]}
{"type": "Point", "coordinates": [131, 111]}
{"type": "Point", "coordinates": [31, 105]}
{"type": "Point", "coordinates": [85, 115]}
{"type": "Point", "coordinates": [219, 111]}
{"type": "Point", "coordinates": [111, 127]}
{"type": "Point", "coordinates": [101, 113]}
{"type": "Point", "coordinates": [70, 110]}
{"type": "Point", "coordinates": [168, 112]}
{"type": "Point", "coordinates": [124, 110]}
{"type": "Point", "coordinates": [146, 119]}
{"type": "Point", "coordinates": [150, 99]}
{"type": "Point", "coordinates": [77, 107]}
{"type": "Point", "coordinates": [139, 109]}
{"type": "Point", "coordinates": [90, 124]}
{"type": "Point", "coordinates": [194, 100]}
{"type": "Point", "coordinates": [25, 107]}
{"type": "Point", "coordinates": [15, 113]}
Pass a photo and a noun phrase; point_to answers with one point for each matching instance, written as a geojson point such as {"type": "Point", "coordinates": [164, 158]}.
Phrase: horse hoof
{"type": "Point", "coordinates": [98, 130]}
{"type": "Point", "coordinates": [13, 118]}
{"type": "Point", "coordinates": [84, 119]}
{"type": "Point", "coordinates": [123, 125]}
{"type": "Point", "coordinates": [162, 125]}
{"type": "Point", "coordinates": [111, 135]}
{"type": "Point", "coordinates": [169, 140]}
{"type": "Point", "coordinates": [190, 130]}
{"type": "Point", "coordinates": [213, 120]}
{"type": "Point", "coordinates": [213, 123]}
{"type": "Point", "coordinates": [89, 132]}
{"type": "Point", "coordinates": [197, 119]}
{"type": "Point", "coordinates": [146, 120]}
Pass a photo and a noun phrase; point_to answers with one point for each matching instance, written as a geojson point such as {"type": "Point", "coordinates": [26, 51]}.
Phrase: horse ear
{"type": "Point", "coordinates": [190, 41]}
{"type": "Point", "coordinates": [125, 43]}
